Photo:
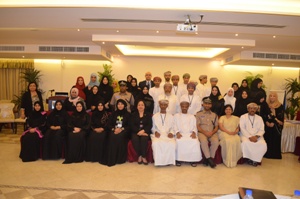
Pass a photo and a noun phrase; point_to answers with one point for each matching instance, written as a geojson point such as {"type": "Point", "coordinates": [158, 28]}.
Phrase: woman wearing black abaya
{"type": "Point", "coordinates": [148, 99]}
{"type": "Point", "coordinates": [134, 89]}
{"type": "Point", "coordinates": [105, 91]}
{"type": "Point", "coordinates": [57, 127]}
{"type": "Point", "coordinates": [96, 141]}
{"type": "Point", "coordinates": [241, 103]}
{"type": "Point", "coordinates": [256, 88]}
{"type": "Point", "coordinates": [118, 135]}
{"type": "Point", "coordinates": [78, 128]}
{"type": "Point", "coordinates": [31, 138]}
{"type": "Point", "coordinates": [217, 101]}
{"type": "Point", "coordinates": [273, 126]}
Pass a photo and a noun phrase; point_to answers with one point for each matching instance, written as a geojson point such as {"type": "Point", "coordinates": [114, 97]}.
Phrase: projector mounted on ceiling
{"type": "Point", "coordinates": [188, 26]}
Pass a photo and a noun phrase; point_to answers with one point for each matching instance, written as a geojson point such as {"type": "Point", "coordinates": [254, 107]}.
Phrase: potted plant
{"type": "Point", "coordinates": [107, 72]}
{"type": "Point", "coordinates": [292, 87]}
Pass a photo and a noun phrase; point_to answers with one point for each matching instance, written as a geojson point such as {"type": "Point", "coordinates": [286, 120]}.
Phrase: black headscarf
{"type": "Point", "coordinates": [217, 96]}
{"type": "Point", "coordinates": [105, 90]}
{"type": "Point", "coordinates": [124, 111]}
{"type": "Point", "coordinates": [97, 114]}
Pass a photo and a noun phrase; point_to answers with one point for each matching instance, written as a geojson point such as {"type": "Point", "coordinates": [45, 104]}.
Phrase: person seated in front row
{"type": "Point", "coordinates": [229, 138]}
{"type": "Point", "coordinates": [252, 130]}
{"type": "Point", "coordinates": [187, 143]}
{"type": "Point", "coordinates": [31, 138]}
{"type": "Point", "coordinates": [57, 129]}
{"type": "Point", "coordinates": [118, 135]}
{"type": "Point", "coordinates": [96, 140]}
{"type": "Point", "coordinates": [207, 125]}
{"type": "Point", "coordinates": [163, 142]}
{"type": "Point", "coordinates": [78, 127]}
{"type": "Point", "coordinates": [140, 125]}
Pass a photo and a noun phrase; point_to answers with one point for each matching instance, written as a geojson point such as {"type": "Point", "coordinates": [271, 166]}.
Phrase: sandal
{"type": "Point", "coordinates": [193, 164]}
{"type": "Point", "coordinates": [178, 163]}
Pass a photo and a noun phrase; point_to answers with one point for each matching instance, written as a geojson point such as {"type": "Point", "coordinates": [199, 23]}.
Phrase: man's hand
{"type": "Point", "coordinates": [193, 135]}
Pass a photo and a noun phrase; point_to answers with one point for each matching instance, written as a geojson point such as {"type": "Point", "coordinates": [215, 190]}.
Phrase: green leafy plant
{"type": "Point", "coordinates": [106, 72]}
{"type": "Point", "coordinates": [292, 87]}
{"type": "Point", "coordinates": [31, 75]}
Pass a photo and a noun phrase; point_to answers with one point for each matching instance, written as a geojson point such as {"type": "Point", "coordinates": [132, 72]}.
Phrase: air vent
{"type": "Point", "coordinates": [295, 57]}
{"type": "Point", "coordinates": [271, 56]}
{"type": "Point", "coordinates": [258, 55]}
{"type": "Point", "coordinates": [63, 49]}
{"type": "Point", "coordinates": [283, 56]}
{"type": "Point", "coordinates": [275, 56]}
{"type": "Point", "coordinates": [12, 48]}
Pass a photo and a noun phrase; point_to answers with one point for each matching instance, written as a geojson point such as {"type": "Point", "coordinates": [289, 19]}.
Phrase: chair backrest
{"type": "Point", "coordinates": [6, 111]}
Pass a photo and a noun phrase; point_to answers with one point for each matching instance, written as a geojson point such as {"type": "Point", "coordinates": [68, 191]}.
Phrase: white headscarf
{"type": "Point", "coordinates": [230, 99]}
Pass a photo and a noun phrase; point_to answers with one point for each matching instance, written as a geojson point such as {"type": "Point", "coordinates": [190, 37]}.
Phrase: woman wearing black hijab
{"type": "Point", "coordinates": [31, 138]}
{"type": "Point", "coordinates": [118, 135]}
{"type": "Point", "coordinates": [105, 91]}
{"type": "Point", "coordinates": [217, 101]}
{"type": "Point", "coordinates": [78, 128]}
{"type": "Point", "coordinates": [256, 88]}
{"type": "Point", "coordinates": [241, 103]}
{"type": "Point", "coordinates": [148, 99]}
{"type": "Point", "coordinates": [93, 98]}
{"type": "Point", "coordinates": [57, 127]}
{"type": "Point", "coordinates": [95, 146]}
{"type": "Point", "coordinates": [134, 89]}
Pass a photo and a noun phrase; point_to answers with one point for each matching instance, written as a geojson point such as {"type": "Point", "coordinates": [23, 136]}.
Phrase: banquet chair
{"type": "Point", "coordinates": [7, 114]}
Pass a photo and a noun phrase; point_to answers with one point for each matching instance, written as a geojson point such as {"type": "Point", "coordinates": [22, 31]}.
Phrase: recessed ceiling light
{"type": "Point", "coordinates": [23, 56]}
{"type": "Point", "coordinates": [157, 31]}
{"type": "Point", "coordinates": [117, 31]}
{"type": "Point", "coordinates": [273, 64]}
{"type": "Point", "coordinates": [170, 51]}
{"type": "Point", "coordinates": [274, 36]}
{"type": "Point", "coordinates": [103, 42]}
{"type": "Point", "coordinates": [78, 30]}
{"type": "Point", "coordinates": [196, 33]}
{"type": "Point", "coordinates": [242, 47]}
{"type": "Point", "coordinates": [236, 34]}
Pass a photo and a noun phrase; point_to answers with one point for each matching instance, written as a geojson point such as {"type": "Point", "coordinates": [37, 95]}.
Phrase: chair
{"type": "Point", "coordinates": [132, 156]}
{"type": "Point", "coordinates": [7, 114]}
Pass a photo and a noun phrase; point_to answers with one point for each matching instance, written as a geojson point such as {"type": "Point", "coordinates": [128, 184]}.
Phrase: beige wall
{"type": "Point", "coordinates": [61, 75]}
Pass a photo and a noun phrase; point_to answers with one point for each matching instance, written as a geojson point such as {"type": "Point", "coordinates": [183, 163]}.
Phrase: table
{"type": "Point", "coordinates": [290, 131]}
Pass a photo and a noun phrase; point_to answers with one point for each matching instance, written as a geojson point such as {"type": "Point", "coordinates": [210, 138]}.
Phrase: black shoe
{"type": "Point", "coordinates": [211, 163]}
{"type": "Point", "coordinates": [254, 164]}
{"type": "Point", "coordinates": [205, 162]}
{"type": "Point", "coordinates": [250, 162]}
{"type": "Point", "coordinates": [178, 163]}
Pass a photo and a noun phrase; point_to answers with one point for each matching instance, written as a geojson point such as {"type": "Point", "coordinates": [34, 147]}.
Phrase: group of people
{"type": "Point", "coordinates": [179, 119]}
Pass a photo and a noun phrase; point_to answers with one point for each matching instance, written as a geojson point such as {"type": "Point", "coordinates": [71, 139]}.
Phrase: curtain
{"type": "Point", "coordinates": [10, 82]}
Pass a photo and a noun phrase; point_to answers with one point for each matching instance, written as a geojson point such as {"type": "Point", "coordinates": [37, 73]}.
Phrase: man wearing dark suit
{"type": "Point", "coordinates": [148, 82]}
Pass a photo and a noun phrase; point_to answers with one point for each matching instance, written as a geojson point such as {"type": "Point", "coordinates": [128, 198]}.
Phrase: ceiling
{"type": "Point", "coordinates": [101, 28]}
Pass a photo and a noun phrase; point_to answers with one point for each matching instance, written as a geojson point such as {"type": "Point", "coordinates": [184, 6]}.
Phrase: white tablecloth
{"type": "Point", "coordinates": [289, 133]}
{"type": "Point", "coordinates": [236, 196]}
